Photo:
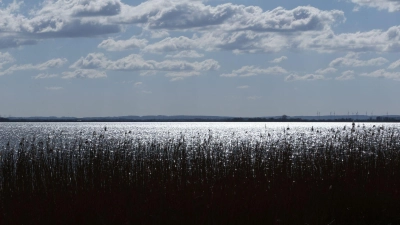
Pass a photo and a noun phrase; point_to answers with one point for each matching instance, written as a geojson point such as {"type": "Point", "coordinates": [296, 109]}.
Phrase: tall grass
{"type": "Point", "coordinates": [338, 176]}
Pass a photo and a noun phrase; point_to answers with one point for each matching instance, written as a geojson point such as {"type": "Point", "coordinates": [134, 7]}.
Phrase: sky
{"type": "Point", "coordinates": [239, 58]}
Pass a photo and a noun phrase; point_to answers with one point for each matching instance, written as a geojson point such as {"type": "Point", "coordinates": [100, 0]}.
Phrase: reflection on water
{"type": "Point", "coordinates": [223, 131]}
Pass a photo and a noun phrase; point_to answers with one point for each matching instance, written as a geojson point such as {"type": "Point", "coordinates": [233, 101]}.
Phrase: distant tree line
{"type": "Point", "coordinates": [288, 119]}
{"type": "Point", "coordinates": [283, 118]}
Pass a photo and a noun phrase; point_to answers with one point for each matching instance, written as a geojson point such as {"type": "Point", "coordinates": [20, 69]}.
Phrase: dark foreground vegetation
{"type": "Point", "coordinates": [338, 176]}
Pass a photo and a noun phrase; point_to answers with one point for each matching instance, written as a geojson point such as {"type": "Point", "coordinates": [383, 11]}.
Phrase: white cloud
{"type": "Point", "coordinates": [74, 18]}
{"type": "Point", "coordinates": [278, 60]}
{"type": "Point", "coordinates": [247, 71]}
{"type": "Point", "coordinates": [216, 40]}
{"type": "Point", "coordinates": [45, 76]}
{"type": "Point", "coordinates": [187, 14]}
{"type": "Point", "coordinates": [11, 19]}
{"type": "Point", "coordinates": [129, 63]}
{"type": "Point", "coordinates": [172, 44]}
{"type": "Point", "coordinates": [390, 5]}
{"type": "Point", "coordinates": [84, 73]}
{"type": "Point", "coordinates": [186, 54]}
{"type": "Point", "coordinates": [53, 63]}
{"type": "Point", "coordinates": [5, 58]}
{"type": "Point", "coordinates": [251, 71]}
{"type": "Point", "coordinates": [346, 75]}
{"type": "Point", "coordinates": [394, 65]}
{"type": "Point", "coordinates": [159, 34]}
{"type": "Point", "coordinates": [57, 18]}
{"type": "Point", "coordinates": [92, 61]}
{"type": "Point", "coordinates": [138, 84]}
{"type": "Point", "coordinates": [326, 71]}
{"type": "Point", "coordinates": [382, 73]}
{"type": "Point", "coordinates": [54, 88]}
{"type": "Point", "coordinates": [180, 75]}
{"type": "Point", "coordinates": [237, 28]}
{"type": "Point", "coordinates": [82, 8]}
{"type": "Point", "coordinates": [370, 41]}
{"type": "Point", "coordinates": [134, 62]}
{"type": "Point", "coordinates": [243, 87]}
{"type": "Point", "coordinates": [175, 65]}
{"type": "Point", "coordinates": [309, 77]}
{"type": "Point", "coordinates": [248, 41]}
{"type": "Point", "coordinates": [227, 27]}
{"type": "Point", "coordinates": [351, 60]}
{"type": "Point", "coordinates": [148, 73]}
{"type": "Point", "coordinates": [121, 45]}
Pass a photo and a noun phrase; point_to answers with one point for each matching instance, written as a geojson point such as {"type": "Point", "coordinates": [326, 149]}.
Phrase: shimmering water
{"type": "Point", "coordinates": [224, 131]}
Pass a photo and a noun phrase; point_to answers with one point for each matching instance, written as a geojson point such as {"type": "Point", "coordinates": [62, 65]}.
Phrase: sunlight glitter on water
{"type": "Point", "coordinates": [147, 131]}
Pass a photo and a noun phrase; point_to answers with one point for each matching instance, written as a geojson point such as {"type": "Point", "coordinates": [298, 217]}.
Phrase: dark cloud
{"type": "Point", "coordinates": [74, 28]}
{"type": "Point", "coordinates": [12, 42]}
{"type": "Point", "coordinates": [57, 19]}
{"type": "Point", "coordinates": [227, 27]}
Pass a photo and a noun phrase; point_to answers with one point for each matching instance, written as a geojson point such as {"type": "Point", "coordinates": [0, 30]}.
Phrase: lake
{"type": "Point", "coordinates": [224, 131]}
{"type": "Point", "coordinates": [143, 170]}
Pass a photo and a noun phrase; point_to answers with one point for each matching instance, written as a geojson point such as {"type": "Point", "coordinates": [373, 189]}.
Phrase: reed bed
{"type": "Point", "coordinates": [348, 175]}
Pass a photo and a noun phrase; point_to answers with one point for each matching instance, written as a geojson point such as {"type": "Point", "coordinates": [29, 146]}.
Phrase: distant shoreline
{"type": "Point", "coordinates": [233, 119]}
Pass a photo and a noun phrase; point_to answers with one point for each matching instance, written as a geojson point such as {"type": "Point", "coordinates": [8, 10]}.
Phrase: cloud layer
{"type": "Point", "coordinates": [50, 64]}
{"type": "Point", "coordinates": [390, 5]}
{"type": "Point", "coordinates": [228, 27]}
{"type": "Point", "coordinates": [74, 18]}
{"type": "Point", "coordinates": [175, 68]}
{"type": "Point", "coordinates": [198, 29]}
{"type": "Point", "coordinates": [121, 45]}
{"type": "Point", "coordinates": [238, 23]}
{"type": "Point", "coordinates": [308, 77]}
{"type": "Point", "coordinates": [382, 73]}
{"type": "Point", "coordinates": [346, 75]}
{"type": "Point", "coordinates": [279, 60]}
{"type": "Point", "coordinates": [248, 71]}
{"type": "Point", "coordinates": [5, 58]}
{"type": "Point", "coordinates": [186, 14]}
{"type": "Point", "coordinates": [351, 60]}
{"type": "Point", "coordinates": [84, 73]}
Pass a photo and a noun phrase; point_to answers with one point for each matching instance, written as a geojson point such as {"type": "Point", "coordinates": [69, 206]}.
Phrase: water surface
{"type": "Point", "coordinates": [224, 131]}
